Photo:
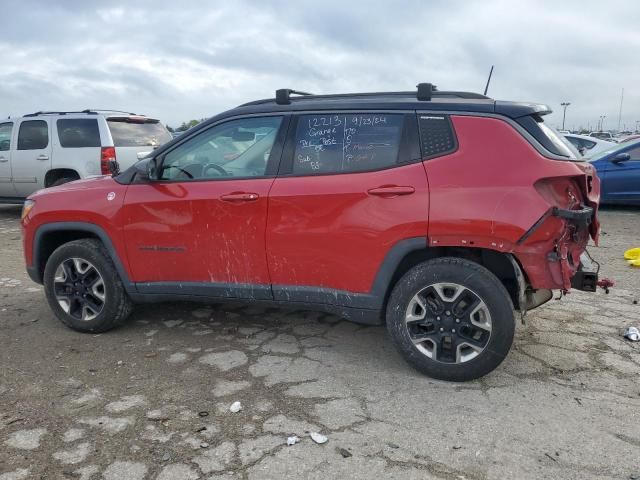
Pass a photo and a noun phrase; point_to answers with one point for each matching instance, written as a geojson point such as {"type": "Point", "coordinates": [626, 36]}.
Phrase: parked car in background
{"type": "Point", "coordinates": [588, 146]}
{"type": "Point", "coordinates": [603, 136]}
{"type": "Point", "coordinates": [619, 172]}
{"type": "Point", "coordinates": [437, 213]}
{"type": "Point", "coordinates": [46, 149]}
{"type": "Point", "coordinates": [630, 138]}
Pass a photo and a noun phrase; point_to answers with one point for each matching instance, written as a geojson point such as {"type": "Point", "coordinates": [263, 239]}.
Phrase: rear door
{"type": "Point", "coordinates": [622, 179]}
{"type": "Point", "coordinates": [31, 160]}
{"type": "Point", "coordinates": [6, 185]}
{"type": "Point", "coordinates": [350, 187]}
{"type": "Point", "coordinates": [135, 134]}
{"type": "Point", "coordinates": [78, 142]}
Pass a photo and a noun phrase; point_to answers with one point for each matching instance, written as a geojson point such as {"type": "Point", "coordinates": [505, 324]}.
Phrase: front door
{"type": "Point", "coordinates": [200, 229]}
{"type": "Point", "coordinates": [31, 159]}
{"type": "Point", "coordinates": [6, 185]}
{"type": "Point", "coordinates": [351, 187]}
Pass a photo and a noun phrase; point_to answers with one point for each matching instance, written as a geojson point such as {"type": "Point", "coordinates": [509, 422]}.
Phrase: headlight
{"type": "Point", "coordinates": [26, 208]}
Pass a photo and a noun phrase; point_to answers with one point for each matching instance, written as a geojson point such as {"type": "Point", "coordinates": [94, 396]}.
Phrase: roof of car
{"type": "Point", "coordinates": [436, 100]}
{"type": "Point", "coordinates": [88, 111]}
{"type": "Point", "coordinates": [587, 137]}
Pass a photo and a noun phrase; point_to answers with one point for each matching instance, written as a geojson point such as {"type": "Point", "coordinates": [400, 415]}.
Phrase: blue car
{"type": "Point", "coordinates": [619, 171]}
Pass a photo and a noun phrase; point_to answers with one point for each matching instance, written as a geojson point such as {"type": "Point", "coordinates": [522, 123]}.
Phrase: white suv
{"type": "Point", "coordinates": [45, 149]}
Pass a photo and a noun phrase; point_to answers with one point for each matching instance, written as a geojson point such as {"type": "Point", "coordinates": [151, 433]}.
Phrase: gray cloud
{"type": "Point", "coordinates": [180, 61]}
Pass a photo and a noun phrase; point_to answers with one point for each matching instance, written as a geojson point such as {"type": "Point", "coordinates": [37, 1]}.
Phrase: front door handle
{"type": "Point", "coordinates": [42, 157]}
{"type": "Point", "coordinates": [3, 160]}
{"type": "Point", "coordinates": [389, 191]}
{"type": "Point", "coordinates": [240, 197]}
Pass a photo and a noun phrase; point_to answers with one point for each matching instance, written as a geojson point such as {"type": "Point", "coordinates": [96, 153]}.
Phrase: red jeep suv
{"type": "Point", "coordinates": [438, 213]}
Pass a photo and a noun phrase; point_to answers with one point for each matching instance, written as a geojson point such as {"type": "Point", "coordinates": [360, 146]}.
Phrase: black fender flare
{"type": "Point", "coordinates": [35, 272]}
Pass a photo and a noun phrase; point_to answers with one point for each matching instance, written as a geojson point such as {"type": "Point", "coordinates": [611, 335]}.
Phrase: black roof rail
{"type": "Point", "coordinates": [95, 110]}
{"type": "Point", "coordinates": [283, 95]}
{"type": "Point", "coordinates": [425, 92]}
{"type": "Point", "coordinates": [87, 111]}
{"type": "Point", "coordinates": [35, 114]}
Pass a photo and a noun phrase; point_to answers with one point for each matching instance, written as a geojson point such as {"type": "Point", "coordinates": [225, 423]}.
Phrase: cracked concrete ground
{"type": "Point", "coordinates": [151, 399]}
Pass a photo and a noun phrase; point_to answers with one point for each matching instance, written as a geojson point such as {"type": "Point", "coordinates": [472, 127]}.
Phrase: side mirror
{"type": "Point", "coordinates": [147, 169]}
{"type": "Point", "coordinates": [621, 157]}
{"type": "Point", "coordinates": [582, 150]}
{"type": "Point", "coordinates": [114, 167]}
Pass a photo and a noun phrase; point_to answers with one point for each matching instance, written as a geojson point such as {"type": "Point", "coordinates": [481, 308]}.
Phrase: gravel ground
{"type": "Point", "coordinates": [151, 399]}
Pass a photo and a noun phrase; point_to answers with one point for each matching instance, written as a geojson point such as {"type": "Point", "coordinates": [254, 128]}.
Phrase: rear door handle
{"type": "Point", "coordinates": [3, 160]}
{"type": "Point", "coordinates": [42, 157]}
{"type": "Point", "coordinates": [240, 197]}
{"type": "Point", "coordinates": [389, 191]}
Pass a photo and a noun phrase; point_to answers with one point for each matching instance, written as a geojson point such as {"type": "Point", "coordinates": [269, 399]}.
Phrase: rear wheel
{"type": "Point", "coordinates": [451, 318]}
{"type": "Point", "coordinates": [84, 289]}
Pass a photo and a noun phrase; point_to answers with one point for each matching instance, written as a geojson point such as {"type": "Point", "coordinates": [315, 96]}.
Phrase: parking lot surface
{"type": "Point", "coordinates": [151, 399]}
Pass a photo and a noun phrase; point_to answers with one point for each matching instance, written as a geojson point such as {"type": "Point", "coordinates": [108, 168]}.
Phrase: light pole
{"type": "Point", "coordinates": [601, 123]}
{"type": "Point", "coordinates": [564, 106]}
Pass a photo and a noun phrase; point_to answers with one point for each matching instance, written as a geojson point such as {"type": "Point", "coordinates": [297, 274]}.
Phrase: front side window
{"type": "Point", "coordinates": [5, 136]}
{"type": "Point", "coordinates": [238, 148]}
{"type": "Point", "coordinates": [343, 143]}
{"type": "Point", "coordinates": [78, 133]}
{"type": "Point", "coordinates": [634, 154]}
{"type": "Point", "coordinates": [33, 135]}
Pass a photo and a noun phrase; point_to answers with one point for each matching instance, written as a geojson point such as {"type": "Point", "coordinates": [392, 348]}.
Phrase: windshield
{"type": "Point", "coordinates": [613, 149]}
{"type": "Point", "coordinates": [127, 132]}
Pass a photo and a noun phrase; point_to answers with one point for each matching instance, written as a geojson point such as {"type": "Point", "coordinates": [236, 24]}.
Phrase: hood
{"type": "Point", "coordinates": [101, 181]}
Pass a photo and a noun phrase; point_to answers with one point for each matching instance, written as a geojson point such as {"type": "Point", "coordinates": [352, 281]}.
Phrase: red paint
{"type": "Point", "coordinates": [215, 231]}
{"type": "Point", "coordinates": [333, 231]}
{"type": "Point", "coordinates": [495, 187]}
{"type": "Point", "coordinates": [327, 231]}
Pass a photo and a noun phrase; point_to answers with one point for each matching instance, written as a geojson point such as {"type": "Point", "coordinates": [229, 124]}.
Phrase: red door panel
{"type": "Point", "coordinates": [209, 231]}
{"type": "Point", "coordinates": [333, 231]}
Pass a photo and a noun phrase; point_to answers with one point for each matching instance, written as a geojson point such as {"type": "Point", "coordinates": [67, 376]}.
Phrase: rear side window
{"type": "Point", "coordinates": [33, 135]}
{"type": "Point", "coordinates": [334, 143]}
{"type": "Point", "coordinates": [550, 139]}
{"type": "Point", "coordinates": [436, 135]}
{"type": "Point", "coordinates": [5, 136]}
{"type": "Point", "coordinates": [78, 133]}
{"type": "Point", "coordinates": [131, 132]}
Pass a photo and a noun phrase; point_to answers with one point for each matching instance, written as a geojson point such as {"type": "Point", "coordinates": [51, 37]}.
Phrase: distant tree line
{"type": "Point", "coordinates": [185, 125]}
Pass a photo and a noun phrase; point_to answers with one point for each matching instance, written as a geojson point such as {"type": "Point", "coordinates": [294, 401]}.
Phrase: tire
{"type": "Point", "coordinates": [456, 294]}
{"type": "Point", "coordinates": [63, 180]}
{"type": "Point", "coordinates": [82, 271]}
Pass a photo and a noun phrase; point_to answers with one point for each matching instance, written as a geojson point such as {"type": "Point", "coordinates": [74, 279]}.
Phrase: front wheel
{"type": "Point", "coordinates": [451, 319]}
{"type": "Point", "coordinates": [83, 287]}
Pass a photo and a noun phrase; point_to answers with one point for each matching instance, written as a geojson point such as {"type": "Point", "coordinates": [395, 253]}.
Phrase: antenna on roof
{"type": "Point", "coordinates": [486, 87]}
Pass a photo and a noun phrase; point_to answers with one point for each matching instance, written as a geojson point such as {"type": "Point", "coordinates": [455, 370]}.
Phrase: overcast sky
{"type": "Point", "coordinates": [179, 60]}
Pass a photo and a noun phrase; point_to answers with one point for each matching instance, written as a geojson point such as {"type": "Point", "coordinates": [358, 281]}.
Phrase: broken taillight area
{"type": "Point", "coordinates": [563, 232]}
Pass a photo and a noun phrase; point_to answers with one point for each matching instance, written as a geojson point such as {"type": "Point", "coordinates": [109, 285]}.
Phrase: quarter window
{"type": "Point", "coordinates": [346, 142]}
{"type": "Point", "coordinates": [238, 148]}
{"type": "Point", "coordinates": [436, 135]}
{"type": "Point", "coordinates": [5, 136]}
{"type": "Point", "coordinates": [33, 135]}
{"type": "Point", "coordinates": [78, 133]}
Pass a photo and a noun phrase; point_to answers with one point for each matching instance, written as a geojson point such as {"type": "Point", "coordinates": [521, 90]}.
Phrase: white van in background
{"type": "Point", "coordinates": [45, 149]}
